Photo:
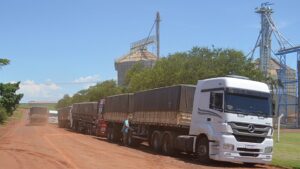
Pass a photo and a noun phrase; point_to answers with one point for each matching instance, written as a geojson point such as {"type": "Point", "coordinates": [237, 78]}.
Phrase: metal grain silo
{"type": "Point", "coordinates": [124, 63]}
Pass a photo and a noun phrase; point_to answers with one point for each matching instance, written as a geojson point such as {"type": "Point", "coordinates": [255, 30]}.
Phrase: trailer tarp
{"type": "Point", "coordinates": [63, 113]}
{"type": "Point", "coordinates": [119, 103]}
{"type": "Point", "coordinates": [174, 98]}
{"type": "Point", "coordinates": [85, 108]}
{"type": "Point", "coordinates": [38, 110]}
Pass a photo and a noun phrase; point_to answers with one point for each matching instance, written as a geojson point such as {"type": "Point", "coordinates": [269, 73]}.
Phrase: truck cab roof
{"type": "Point", "coordinates": [233, 82]}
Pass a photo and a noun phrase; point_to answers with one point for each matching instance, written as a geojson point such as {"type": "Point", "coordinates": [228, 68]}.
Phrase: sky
{"type": "Point", "coordinates": [59, 47]}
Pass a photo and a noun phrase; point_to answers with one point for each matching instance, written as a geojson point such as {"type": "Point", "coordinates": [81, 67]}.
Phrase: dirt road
{"type": "Point", "coordinates": [48, 147]}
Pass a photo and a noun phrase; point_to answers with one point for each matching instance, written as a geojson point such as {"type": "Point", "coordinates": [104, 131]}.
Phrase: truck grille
{"type": "Point", "coordinates": [250, 139]}
{"type": "Point", "coordinates": [248, 154]}
{"type": "Point", "coordinates": [247, 132]}
{"type": "Point", "coordinates": [248, 150]}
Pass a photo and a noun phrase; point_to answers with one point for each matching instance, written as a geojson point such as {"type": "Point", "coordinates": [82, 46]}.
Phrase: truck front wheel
{"type": "Point", "coordinates": [203, 149]}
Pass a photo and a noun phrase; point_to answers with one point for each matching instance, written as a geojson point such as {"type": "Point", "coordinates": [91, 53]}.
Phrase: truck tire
{"type": "Point", "coordinates": [168, 143]}
{"type": "Point", "coordinates": [108, 134]}
{"type": "Point", "coordinates": [115, 135]}
{"type": "Point", "coordinates": [156, 141]}
{"type": "Point", "coordinates": [249, 164]}
{"type": "Point", "coordinates": [133, 142]}
{"type": "Point", "coordinates": [89, 129]}
{"type": "Point", "coordinates": [76, 126]}
{"type": "Point", "coordinates": [203, 150]}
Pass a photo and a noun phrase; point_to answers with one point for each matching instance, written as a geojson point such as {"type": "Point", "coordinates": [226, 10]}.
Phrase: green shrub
{"type": "Point", "coordinates": [3, 115]}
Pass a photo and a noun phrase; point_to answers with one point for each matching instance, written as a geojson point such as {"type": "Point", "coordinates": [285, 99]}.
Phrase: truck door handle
{"type": "Point", "coordinates": [208, 119]}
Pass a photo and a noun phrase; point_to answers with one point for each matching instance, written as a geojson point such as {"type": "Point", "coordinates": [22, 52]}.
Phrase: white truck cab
{"type": "Point", "coordinates": [234, 114]}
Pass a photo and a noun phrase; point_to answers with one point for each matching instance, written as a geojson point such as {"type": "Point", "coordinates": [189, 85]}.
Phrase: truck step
{"type": "Point", "coordinates": [140, 138]}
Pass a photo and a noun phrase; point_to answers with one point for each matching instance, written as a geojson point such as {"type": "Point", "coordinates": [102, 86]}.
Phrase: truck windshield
{"type": "Point", "coordinates": [247, 104]}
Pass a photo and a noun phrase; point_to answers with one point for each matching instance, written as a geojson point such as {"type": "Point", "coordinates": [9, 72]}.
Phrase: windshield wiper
{"type": "Point", "coordinates": [238, 111]}
{"type": "Point", "coordinates": [259, 113]}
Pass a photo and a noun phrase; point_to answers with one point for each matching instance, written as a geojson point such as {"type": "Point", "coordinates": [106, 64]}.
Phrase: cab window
{"type": "Point", "coordinates": [216, 101]}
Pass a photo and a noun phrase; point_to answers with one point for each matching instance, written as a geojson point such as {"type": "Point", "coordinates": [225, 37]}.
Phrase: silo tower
{"type": "Point", "coordinates": [124, 63]}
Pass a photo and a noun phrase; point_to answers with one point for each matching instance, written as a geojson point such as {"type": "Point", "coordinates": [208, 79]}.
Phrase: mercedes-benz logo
{"type": "Point", "coordinates": [251, 128]}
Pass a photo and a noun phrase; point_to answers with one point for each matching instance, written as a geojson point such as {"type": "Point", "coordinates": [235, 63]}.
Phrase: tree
{"type": "Point", "coordinates": [189, 67]}
{"type": "Point", "coordinates": [4, 62]}
{"type": "Point", "coordinates": [102, 90]}
{"type": "Point", "coordinates": [93, 93]}
{"type": "Point", "coordinates": [64, 102]}
{"type": "Point", "coordinates": [8, 97]}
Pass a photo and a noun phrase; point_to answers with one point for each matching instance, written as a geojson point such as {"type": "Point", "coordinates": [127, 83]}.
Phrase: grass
{"type": "Point", "coordinates": [287, 151]}
{"type": "Point", "coordinates": [17, 115]}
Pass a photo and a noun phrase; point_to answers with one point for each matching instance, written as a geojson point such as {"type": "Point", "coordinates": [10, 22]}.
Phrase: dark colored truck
{"type": "Point", "coordinates": [85, 117]}
{"type": "Point", "coordinates": [64, 117]}
{"type": "Point", "coordinates": [115, 110]}
{"type": "Point", "coordinates": [38, 115]}
{"type": "Point", "coordinates": [151, 113]}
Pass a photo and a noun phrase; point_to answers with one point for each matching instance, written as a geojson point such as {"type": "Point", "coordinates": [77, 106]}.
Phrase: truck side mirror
{"type": "Point", "coordinates": [273, 108]}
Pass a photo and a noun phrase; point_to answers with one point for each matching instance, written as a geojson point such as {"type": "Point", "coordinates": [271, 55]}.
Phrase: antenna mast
{"type": "Point", "coordinates": [157, 21]}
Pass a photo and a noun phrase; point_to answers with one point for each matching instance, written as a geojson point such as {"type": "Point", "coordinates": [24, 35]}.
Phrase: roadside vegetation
{"type": "Point", "coordinates": [9, 99]}
{"type": "Point", "coordinates": [178, 68]}
{"type": "Point", "coordinates": [287, 151]}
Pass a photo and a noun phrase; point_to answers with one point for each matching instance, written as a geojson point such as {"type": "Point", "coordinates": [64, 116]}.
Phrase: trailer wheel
{"type": "Point", "coordinates": [132, 141]}
{"type": "Point", "coordinates": [108, 134]}
{"type": "Point", "coordinates": [114, 135]}
{"type": "Point", "coordinates": [203, 149]}
{"type": "Point", "coordinates": [156, 141]}
{"type": "Point", "coordinates": [76, 126]}
{"type": "Point", "coordinates": [168, 143]}
{"type": "Point", "coordinates": [89, 129]}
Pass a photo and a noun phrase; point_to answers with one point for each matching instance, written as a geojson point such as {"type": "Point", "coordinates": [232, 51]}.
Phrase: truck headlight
{"type": "Point", "coordinates": [268, 149]}
{"type": "Point", "coordinates": [228, 147]}
{"type": "Point", "coordinates": [226, 129]}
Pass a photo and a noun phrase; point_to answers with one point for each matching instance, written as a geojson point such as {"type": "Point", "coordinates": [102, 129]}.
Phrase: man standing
{"type": "Point", "coordinates": [125, 131]}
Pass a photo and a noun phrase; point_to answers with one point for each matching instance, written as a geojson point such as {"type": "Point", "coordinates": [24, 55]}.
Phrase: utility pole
{"type": "Point", "coordinates": [157, 20]}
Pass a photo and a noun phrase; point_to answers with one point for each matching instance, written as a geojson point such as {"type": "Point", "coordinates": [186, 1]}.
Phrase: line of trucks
{"type": "Point", "coordinates": [224, 119]}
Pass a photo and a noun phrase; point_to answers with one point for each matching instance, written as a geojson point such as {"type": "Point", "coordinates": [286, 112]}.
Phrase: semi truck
{"type": "Point", "coordinates": [224, 119]}
{"type": "Point", "coordinates": [38, 115]}
{"type": "Point", "coordinates": [113, 111]}
{"type": "Point", "coordinates": [84, 117]}
{"type": "Point", "coordinates": [64, 115]}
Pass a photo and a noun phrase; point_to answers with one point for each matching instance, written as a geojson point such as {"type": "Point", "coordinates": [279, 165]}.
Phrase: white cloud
{"type": "Point", "coordinates": [51, 91]}
{"type": "Point", "coordinates": [88, 80]}
{"type": "Point", "coordinates": [39, 91]}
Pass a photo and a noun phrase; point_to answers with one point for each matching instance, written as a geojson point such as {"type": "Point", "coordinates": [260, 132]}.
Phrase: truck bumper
{"type": "Point", "coordinates": [241, 151]}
